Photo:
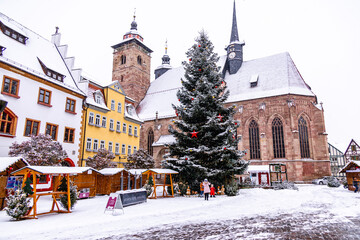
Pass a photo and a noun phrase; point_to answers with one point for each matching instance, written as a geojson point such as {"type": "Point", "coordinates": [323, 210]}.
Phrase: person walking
{"type": "Point", "coordinates": [201, 189]}
{"type": "Point", "coordinates": [355, 183]}
{"type": "Point", "coordinates": [212, 191]}
{"type": "Point", "coordinates": [206, 185]}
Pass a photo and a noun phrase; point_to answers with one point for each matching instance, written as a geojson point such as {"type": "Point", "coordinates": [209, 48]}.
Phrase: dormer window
{"type": "Point", "coordinates": [98, 99]}
{"type": "Point", "coordinates": [12, 33]}
{"type": "Point", "coordinates": [51, 73]}
{"type": "Point", "coordinates": [254, 80]}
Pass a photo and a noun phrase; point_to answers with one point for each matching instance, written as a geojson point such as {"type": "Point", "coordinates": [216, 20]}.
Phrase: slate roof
{"type": "Point", "coordinates": [277, 75]}
{"type": "Point", "coordinates": [25, 56]}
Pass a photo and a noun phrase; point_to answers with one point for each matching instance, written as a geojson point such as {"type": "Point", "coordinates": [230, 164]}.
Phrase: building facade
{"type": "Point", "coordinates": [280, 118]}
{"type": "Point", "coordinates": [40, 86]}
{"type": "Point", "coordinates": [110, 121]}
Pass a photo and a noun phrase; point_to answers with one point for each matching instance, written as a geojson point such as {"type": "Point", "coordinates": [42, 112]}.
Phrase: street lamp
{"type": "Point", "coordinates": [3, 103]}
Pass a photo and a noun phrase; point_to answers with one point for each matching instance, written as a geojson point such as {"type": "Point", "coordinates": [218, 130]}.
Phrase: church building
{"type": "Point", "coordinates": [280, 118]}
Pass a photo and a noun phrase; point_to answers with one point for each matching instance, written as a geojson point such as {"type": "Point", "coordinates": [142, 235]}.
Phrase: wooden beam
{"type": "Point", "coordinates": [68, 191]}
{"type": "Point", "coordinates": [172, 188]}
{"type": "Point", "coordinates": [34, 194]}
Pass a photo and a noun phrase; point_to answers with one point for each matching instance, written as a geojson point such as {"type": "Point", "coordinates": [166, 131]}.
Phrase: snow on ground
{"type": "Point", "coordinates": [88, 220]}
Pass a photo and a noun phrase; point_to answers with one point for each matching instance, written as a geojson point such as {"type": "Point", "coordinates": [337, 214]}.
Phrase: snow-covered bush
{"type": "Point", "coordinates": [140, 159]}
{"type": "Point", "coordinates": [17, 204]}
{"type": "Point", "coordinates": [40, 150]}
{"type": "Point", "coordinates": [333, 182]}
{"type": "Point", "coordinates": [102, 159]}
{"type": "Point", "coordinates": [232, 188]}
{"type": "Point", "coordinates": [285, 185]}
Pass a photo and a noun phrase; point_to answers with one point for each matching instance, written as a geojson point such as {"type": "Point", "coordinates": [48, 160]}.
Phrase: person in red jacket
{"type": "Point", "coordinates": [212, 191]}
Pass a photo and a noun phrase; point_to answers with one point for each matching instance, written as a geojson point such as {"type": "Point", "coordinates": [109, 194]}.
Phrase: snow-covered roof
{"type": "Point", "coordinates": [49, 170]}
{"type": "Point", "coordinates": [111, 171]}
{"type": "Point", "coordinates": [25, 56]}
{"type": "Point", "coordinates": [5, 162]}
{"type": "Point", "coordinates": [347, 166]}
{"type": "Point", "coordinates": [131, 114]}
{"type": "Point", "coordinates": [164, 139]}
{"type": "Point", "coordinates": [84, 169]}
{"type": "Point", "coordinates": [258, 168]}
{"type": "Point", "coordinates": [276, 75]}
{"type": "Point", "coordinates": [136, 171]}
{"type": "Point", "coordinates": [162, 171]}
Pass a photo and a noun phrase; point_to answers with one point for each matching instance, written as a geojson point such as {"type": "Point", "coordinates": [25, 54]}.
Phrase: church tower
{"type": "Point", "coordinates": [165, 66]}
{"type": "Point", "coordinates": [131, 64]}
{"type": "Point", "coordinates": [234, 49]}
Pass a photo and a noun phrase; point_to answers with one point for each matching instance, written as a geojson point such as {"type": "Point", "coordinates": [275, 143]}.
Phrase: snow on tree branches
{"type": "Point", "coordinates": [40, 150]}
{"type": "Point", "coordinates": [102, 159]}
{"type": "Point", "coordinates": [140, 159]}
{"type": "Point", "coordinates": [205, 133]}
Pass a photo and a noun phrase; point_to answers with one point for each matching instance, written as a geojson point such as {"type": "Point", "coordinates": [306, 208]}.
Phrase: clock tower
{"type": "Point", "coordinates": [234, 49]}
{"type": "Point", "coordinates": [131, 64]}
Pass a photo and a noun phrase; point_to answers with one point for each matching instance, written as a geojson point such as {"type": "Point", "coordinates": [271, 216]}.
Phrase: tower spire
{"type": "Point", "coordinates": [134, 24]}
{"type": "Point", "coordinates": [165, 66]}
{"type": "Point", "coordinates": [234, 30]}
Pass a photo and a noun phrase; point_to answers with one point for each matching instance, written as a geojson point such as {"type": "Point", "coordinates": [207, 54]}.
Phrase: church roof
{"type": "Point", "coordinates": [33, 54]}
{"type": "Point", "coordinates": [277, 75]}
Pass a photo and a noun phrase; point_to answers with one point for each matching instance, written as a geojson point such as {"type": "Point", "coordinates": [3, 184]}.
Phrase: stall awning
{"type": "Point", "coordinates": [350, 165]}
{"type": "Point", "coordinates": [47, 170]}
{"type": "Point", "coordinates": [137, 171]}
{"type": "Point", "coordinates": [111, 171]}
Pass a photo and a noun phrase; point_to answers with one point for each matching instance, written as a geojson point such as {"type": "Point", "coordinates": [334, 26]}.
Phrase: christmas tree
{"type": "Point", "coordinates": [64, 197]}
{"type": "Point", "coordinates": [206, 141]}
{"type": "Point", "coordinates": [27, 188]}
{"type": "Point", "coordinates": [17, 204]}
{"type": "Point", "coordinates": [140, 159]}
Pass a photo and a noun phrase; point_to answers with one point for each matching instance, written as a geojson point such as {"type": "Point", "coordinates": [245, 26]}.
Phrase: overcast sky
{"type": "Point", "coordinates": [322, 37]}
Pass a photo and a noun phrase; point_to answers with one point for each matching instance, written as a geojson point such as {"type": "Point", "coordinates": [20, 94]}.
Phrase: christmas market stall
{"type": "Point", "coordinates": [9, 183]}
{"type": "Point", "coordinates": [112, 180]}
{"type": "Point", "coordinates": [352, 171]}
{"type": "Point", "coordinates": [137, 179]}
{"type": "Point", "coordinates": [85, 180]}
{"type": "Point", "coordinates": [34, 172]}
{"type": "Point", "coordinates": [278, 173]}
{"type": "Point", "coordinates": [161, 178]}
{"type": "Point", "coordinates": [259, 174]}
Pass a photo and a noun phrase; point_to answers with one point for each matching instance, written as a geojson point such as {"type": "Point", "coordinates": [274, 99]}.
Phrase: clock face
{"type": "Point", "coordinates": [231, 55]}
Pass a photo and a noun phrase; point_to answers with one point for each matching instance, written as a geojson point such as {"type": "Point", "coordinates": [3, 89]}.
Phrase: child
{"type": "Point", "coordinates": [206, 185]}
{"type": "Point", "coordinates": [201, 189]}
{"type": "Point", "coordinates": [212, 191]}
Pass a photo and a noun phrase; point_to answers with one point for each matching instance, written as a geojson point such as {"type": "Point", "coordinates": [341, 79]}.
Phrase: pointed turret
{"type": "Point", "coordinates": [234, 49]}
{"type": "Point", "coordinates": [165, 66]}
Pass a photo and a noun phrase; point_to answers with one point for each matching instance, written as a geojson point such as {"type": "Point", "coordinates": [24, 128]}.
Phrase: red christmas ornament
{"type": "Point", "coordinates": [11, 168]}
{"type": "Point", "coordinates": [215, 86]}
{"type": "Point", "coordinates": [199, 45]}
{"type": "Point", "coordinates": [190, 59]}
{"type": "Point", "coordinates": [233, 136]}
{"type": "Point", "coordinates": [176, 113]}
{"type": "Point", "coordinates": [179, 99]}
{"type": "Point", "coordinates": [186, 158]}
{"type": "Point", "coordinates": [224, 148]}
{"type": "Point", "coordinates": [199, 69]}
{"type": "Point", "coordinates": [192, 99]}
{"type": "Point", "coordinates": [194, 134]}
{"type": "Point", "coordinates": [220, 117]}
{"type": "Point", "coordinates": [236, 123]}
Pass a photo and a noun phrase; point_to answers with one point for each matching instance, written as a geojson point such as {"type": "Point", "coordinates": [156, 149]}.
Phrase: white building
{"type": "Point", "coordinates": [39, 83]}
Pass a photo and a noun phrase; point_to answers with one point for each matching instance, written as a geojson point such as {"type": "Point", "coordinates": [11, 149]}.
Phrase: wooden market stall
{"type": "Point", "coordinates": [278, 173]}
{"type": "Point", "coordinates": [112, 180]}
{"type": "Point", "coordinates": [33, 172]}
{"type": "Point", "coordinates": [352, 171]}
{"type": "Point", "coordinates": [7, 182]}
{"type": "Point", "coordinates": [85, 179]}
{"type": "Point", "coordinates": [137, 179]}
{"type": "Point", "coordinates": [157, 173]}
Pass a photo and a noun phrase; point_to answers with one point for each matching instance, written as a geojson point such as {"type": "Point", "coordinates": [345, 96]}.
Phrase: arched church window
{"type": "Point", "coordinates": [304, 138]}
{"type": "Point", "coordinates": [7, 122]}
{"type": "Point", "coordinates": [278, 138]}
{"type": "Point", "coordinates": [139, 60]}
{"type": "Point", "coordinates": [254, 141]}
{"type": "Point", "coordinates": [123, 59]}
{"type": "Point", "coordinates": [150, 142]}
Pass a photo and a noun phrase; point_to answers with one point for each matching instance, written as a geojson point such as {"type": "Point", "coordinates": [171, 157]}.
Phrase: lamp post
{"type": "Point", "coordinates": [3, 103]}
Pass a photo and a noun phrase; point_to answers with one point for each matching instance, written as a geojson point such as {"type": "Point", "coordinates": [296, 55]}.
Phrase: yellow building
{"type": "Point", "coordinates": [109, 121]}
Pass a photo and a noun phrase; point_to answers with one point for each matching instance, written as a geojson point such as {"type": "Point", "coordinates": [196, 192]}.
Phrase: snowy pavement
{"type": "Point", "coordinates": [313, 212]}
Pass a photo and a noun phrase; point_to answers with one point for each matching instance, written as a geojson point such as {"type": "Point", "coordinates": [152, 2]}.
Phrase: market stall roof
{"type": "Point", "coordinates": [137, 171]}
{"type": "Point", "coordinates": [111, 171]}
{"type": "Point", "coordinates": [5, 162]}
{"type": "Point", "coordinates": [161, 171]}
{"type": "Point", "coordinates": [84, 169]}
{"type": "Point", "coordinates": [47, 170]}
{"type": "Point", "coordinates": [258, 168]}
{"type": "Point", "coordinates": [349, 165]}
